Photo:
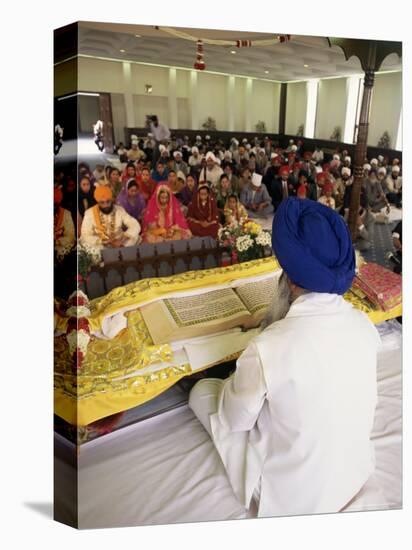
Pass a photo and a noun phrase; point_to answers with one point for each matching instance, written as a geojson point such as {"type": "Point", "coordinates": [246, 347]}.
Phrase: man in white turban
{"type": "Point", "coordinates": [393, 186]}
{"type": "Point", "coordinates": [195, 158]}
{"type": "Point", "coordinates": [211, 172]}
{"type": "Point", "coordinates": [179, 164]}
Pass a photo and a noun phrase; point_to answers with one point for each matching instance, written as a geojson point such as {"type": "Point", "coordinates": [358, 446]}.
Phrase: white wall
{"type": "Point", "coordinates": [95, 75]}
{"type": "Point", "coordinates": [386, 107]}
{"type": "Point", "coordinates": [295, 106]}
{"type": "Point", "coordinates": [240, 104]}
{"type": "Point", "coordinates": [149, 105]}
{"type": "Point", "coordinates": [265, 104]}
{"type": "Point", "coordinates": [183, 83]}
{"type": "Point", "coordinates": [331, 107]}
{"type": "Point", "coordinates": [119, 116]}
{"type": "Point", "coordinates": [211, 99]}
{"type": "Point", "coordinates": [158, 77]}
{"type": "Point", "coordinates": [183, 113]}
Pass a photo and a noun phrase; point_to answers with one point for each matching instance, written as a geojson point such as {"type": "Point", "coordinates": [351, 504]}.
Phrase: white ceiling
{"type": "Point", "coordinates": [284, 61]}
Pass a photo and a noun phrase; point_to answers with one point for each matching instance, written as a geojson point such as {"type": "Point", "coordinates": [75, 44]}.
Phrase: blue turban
{"type": "Point", "coordinates": [313, 246]}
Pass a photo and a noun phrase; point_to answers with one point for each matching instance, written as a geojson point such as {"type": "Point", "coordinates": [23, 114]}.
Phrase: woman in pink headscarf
{"type": "Point", "coordinates": [163, 219]}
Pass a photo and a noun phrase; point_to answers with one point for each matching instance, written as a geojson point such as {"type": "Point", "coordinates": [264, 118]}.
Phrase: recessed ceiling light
{"type": "Point", "coordinates": [232, 51]}
{"type": "Point", "coordinates": [138, 35]}
{"type": "Point", "coordinates": [122, 51]}
{"type": "Point", "coordinates": [306, 66]}
{"type": "Point", "coordinates": [266, 72]}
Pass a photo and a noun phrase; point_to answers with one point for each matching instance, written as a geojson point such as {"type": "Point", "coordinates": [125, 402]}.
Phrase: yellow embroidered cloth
{"type": "Point", "coordinates": [115, 374]}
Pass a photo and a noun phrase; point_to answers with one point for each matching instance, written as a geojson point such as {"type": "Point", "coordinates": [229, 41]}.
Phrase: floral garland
{"type": "Point", "coordinates": [104, 230]}
{"type": "Point", "coordinates": [78, 327]}
{"type": "Point", "coordinates": [275, 39]}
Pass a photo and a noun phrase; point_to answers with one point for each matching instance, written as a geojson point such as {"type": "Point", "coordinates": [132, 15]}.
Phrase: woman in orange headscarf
{"type": "Point", "coordinates": [163, 219]}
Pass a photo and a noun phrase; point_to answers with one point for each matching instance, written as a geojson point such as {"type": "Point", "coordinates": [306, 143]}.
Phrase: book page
{"type": "Point", "coordinates": [258, 295]}
{"type": "Point", "coordinates": [216, 305]}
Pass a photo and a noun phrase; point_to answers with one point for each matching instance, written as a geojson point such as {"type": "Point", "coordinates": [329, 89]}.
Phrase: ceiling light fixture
{"type": "Point", "coordinates": [306, 66]}
{"type": "Point", "coordinates": [232, 51]}
{"type": "Point", "coordinates": [138, 35]}
{"type": "Point", "coordinates": [266, 72]}
{"type": "Point", "coordinates": [122, 51]}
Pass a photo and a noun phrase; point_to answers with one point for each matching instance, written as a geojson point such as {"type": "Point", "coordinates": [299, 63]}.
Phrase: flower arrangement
{"type": "Point", "coordinates": [78, 327]}
{"type": "Point", "coordinates": [62, 251]}
{"type": "Point", "coordinates": [209, 124]}
{"type": "Point", "coordinates": [245, 242]}
{"type": "Point", "coordinates": [385, 140]}
{"type": "Point", "coordinates": [336, 134]}
{"type": "Point", "coordinates": [86, 258]}
{"type": "Point", "coordinates": [260, 126]}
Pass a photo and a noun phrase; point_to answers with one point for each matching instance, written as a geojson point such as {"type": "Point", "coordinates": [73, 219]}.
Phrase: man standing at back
{"type": "Point", "coordinates": [292, 424]}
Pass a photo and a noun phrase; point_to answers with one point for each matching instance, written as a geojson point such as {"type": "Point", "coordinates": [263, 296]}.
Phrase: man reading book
{"type": "Point", "coordinates": [292, 425]}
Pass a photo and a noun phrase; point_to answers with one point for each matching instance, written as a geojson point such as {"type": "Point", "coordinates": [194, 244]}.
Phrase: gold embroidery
{"type": "Point", "coordinates": [112, 377]}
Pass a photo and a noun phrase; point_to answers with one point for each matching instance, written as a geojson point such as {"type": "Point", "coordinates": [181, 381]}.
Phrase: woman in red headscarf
{"type": "Point", "coordinates": [163, 219]}
{"type": "Point", "coordinates": [203, 215]}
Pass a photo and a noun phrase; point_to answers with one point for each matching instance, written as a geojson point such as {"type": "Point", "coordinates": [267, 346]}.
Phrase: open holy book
{"type": "Point", "coordinates": [174, 319]}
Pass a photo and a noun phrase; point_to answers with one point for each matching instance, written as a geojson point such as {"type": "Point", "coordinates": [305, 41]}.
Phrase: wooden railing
{"type": "Point", "coordinates": [125, 265]}
{"type": "Point", "coordinates": [279, 140]}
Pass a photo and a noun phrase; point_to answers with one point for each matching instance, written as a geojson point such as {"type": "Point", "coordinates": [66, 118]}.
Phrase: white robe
{"type": "Point", "coordinates": [65, 242]}
{"type": "Point", "coordinates": [296, 416]}
{"type": "Point", "coordinates": [90, 236]}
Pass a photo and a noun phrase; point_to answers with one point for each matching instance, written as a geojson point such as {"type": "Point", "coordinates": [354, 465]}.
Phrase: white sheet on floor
{"type": "Point", "coordinates": [166, 470]}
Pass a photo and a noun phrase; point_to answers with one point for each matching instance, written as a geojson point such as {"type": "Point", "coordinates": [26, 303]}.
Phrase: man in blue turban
{"type": "Point", "coordinates": [313, 245]}
{"type": "Point", "coordinates": [292, 425]}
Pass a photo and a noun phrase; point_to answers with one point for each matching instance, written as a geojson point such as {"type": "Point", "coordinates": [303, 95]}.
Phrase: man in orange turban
{"type": "Point", "coordinates": [103, 194]}
{"type": "Point", "coordinates": [108, 224]}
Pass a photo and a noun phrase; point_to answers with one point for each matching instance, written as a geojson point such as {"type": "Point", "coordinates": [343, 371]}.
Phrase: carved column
{"type": "Point", "coordinates": [360, 152]}
{"type": "Point", "coordinates": [371, 54]}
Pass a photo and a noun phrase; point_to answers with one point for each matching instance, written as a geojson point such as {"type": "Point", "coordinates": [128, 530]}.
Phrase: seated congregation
{"type": "Point", "coordinates": [176, 190]}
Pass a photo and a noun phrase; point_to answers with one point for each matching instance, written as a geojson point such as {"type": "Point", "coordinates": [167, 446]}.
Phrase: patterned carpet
{"type": "Point", "coordinates": [382, 244]}
{"type": "Point", "coordinates": [382, 241]}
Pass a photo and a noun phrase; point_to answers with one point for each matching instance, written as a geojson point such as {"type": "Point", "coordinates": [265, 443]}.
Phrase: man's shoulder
{"type": "Point", "coordinates": [89, 212]}
{"type": "Point", "coordinates": [277, 331]}
{"type": "Point", "coordinates": [66, 213]}
{"type": "Point", "coordinates": [119, 209]}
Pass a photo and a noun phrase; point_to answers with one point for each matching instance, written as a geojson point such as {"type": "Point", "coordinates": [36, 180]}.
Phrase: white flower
{"type": "Point", "coordinates": [83, 339]}
{"type": "Point", "coordinates": [264, 239]}
{"type": "Point", "coordinates": [78, 311]}
{"type": "Point", "coordinates": [78, 294]}
{"type": "Point", "coordinates": [72, 340]}
{"type": "Point", "coordinates": [94, 253]}
{"type": "Point", "coordinates": [78, 340]}
{"type": "Point", "coordinates": [244, 242]}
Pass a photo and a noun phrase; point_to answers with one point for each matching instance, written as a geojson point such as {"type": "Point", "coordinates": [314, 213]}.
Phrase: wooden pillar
{"type": "Point", "coordinates": [360, 152]}
{"type": "Point", "coordinates": [282, 107]}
